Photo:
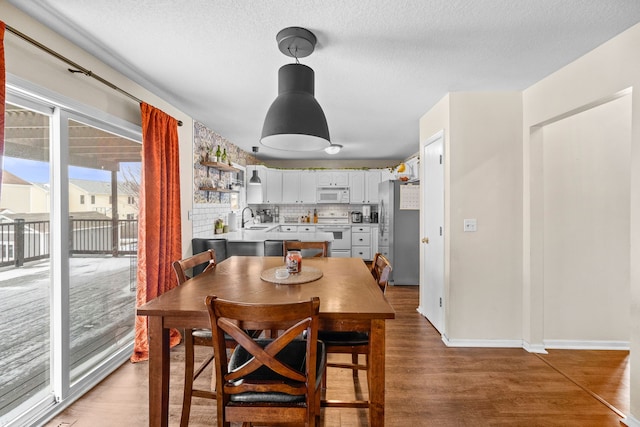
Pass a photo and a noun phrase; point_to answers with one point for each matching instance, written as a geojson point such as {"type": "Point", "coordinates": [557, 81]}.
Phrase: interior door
{"type": "Point", "coordinates": [432, 304]}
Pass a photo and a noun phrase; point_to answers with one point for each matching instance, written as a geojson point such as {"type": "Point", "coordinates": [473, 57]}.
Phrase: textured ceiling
{"type": "Point", "coordinates": [379, 65]}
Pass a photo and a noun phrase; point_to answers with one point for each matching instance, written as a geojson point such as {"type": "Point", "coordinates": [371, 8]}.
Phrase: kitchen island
{"type": "Point", "coordinates": [251, 240]}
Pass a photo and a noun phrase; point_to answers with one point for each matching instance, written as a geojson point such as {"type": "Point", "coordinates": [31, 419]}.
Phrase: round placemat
{"type": "Point", "coordinates": [308, 274]}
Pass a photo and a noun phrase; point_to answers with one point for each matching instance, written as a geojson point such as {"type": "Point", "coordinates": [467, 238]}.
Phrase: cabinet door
{"type": "Point", "coordinates": [325, 179]}
{"type": "Point", "coordinates": [357, 187]}
{"type": "Point", "coordinates": [333, 179]}
{"type": "Point", "coordinates": [274, 186]}
{"type": "Point", "coordinates": [291, 186]}
{"type": "Point", "coordinates": [341, 179]}
{"type": "Point", "coordinates": [373, 179]}
{"type": "Point", "coordinates": [308, 187]}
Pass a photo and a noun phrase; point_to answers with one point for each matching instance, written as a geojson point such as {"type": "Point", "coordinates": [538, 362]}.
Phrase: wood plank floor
{"type": "Point", "coordinates": [427, 384]}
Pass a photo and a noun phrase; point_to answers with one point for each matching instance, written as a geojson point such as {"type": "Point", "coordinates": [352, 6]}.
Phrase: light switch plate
{"type": "Point", "coordinates": [470, 225]}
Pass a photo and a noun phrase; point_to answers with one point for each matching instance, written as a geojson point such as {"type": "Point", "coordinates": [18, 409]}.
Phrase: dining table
{"type": "Point", "coordinates": [350, 300]}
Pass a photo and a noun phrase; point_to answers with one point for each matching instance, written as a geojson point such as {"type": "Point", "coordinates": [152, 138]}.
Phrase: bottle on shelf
{"type": "Point", "coordinates": [223, 159]}
{"type": "Point", "coordinates": [218, 154]}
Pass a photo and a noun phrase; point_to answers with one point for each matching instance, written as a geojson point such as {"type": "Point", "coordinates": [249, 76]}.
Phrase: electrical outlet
{"type": "Point", "coordinates": [470, 225]}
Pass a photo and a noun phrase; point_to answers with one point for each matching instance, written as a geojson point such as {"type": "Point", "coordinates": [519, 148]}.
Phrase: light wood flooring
{"type": "Point", "coordinates": [427, 384]}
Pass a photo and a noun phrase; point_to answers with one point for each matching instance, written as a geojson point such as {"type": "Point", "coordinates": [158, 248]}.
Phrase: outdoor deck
{"type": "Point", "coordinates": [102, 312]}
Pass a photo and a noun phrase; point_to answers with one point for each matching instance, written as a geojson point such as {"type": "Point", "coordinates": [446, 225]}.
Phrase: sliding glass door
{"type": "Point", "coordinates": [25, 262]}
{"type": "Point", "coordinates": [68, 236]}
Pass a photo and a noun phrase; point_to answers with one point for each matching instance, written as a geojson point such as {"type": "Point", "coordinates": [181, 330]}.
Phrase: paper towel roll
{"type": "Point", "coordinates": [232, 220]}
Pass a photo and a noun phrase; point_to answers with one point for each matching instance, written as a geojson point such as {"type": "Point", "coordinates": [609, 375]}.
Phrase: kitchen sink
{"type": "Point", "coordinates": [257, 227]}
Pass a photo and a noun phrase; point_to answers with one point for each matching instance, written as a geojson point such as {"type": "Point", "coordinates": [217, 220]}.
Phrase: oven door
{"type": "Point", "coordinates": [341, 236]}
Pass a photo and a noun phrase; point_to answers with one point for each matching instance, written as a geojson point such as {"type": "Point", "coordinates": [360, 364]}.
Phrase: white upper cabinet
{"type": "Point", "coordinates": [333, 179]}
{"type": "Point", "coordinates": [357, 187]}
{"type": "Point", "coordinates": [373, 178]}
{"type": "Point", "coordinates": [298, 186]}
{"type": "Point", "coordinates": [308, 186]}
{"type": "Point", "coordinates": [364, 186]}
{"type": "Point", "coordinates": [290, 187]}
{"type": "Point", "coordinates": [273, 193]}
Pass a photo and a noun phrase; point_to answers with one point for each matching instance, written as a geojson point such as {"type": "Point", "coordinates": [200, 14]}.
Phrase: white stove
{"type": "Point", "coordinates": [336, 223]}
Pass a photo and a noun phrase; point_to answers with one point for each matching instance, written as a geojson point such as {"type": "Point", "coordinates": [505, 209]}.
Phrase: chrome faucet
{"type": "Point", "coordinates": [243, 222]}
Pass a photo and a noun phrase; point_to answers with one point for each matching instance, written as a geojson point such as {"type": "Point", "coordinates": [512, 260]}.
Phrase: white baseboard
{"type": "Point", "coordinates": [586, 345]}
{"type": "Point", "coordinates": [534, 348]}
{"type": "Point", "coordinates": [482, 343]}
{"type": "Point", "coordinates": [539, 348]}
{"type": "Point", "coordinates": [630, 421]}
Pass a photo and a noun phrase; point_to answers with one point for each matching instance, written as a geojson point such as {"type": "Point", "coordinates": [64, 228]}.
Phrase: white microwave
{"type": "Point", "coordinates": [332, 195]}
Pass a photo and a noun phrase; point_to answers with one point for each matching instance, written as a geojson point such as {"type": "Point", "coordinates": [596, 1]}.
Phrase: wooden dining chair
{"type": "Point", "coordinates": [267, 380]}
{"type": "Point", "coordinates": [356, 343]}
{"type": "Point", "coordinates": [308, 249]}
{"type": "Point", "coordinates": [195, 337]}
{"type": "Point", "coordinates": [380, 270]}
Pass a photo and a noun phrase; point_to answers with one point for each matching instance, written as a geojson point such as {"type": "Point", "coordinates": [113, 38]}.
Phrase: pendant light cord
{"type": "Point", "coordinates": [294, 53]}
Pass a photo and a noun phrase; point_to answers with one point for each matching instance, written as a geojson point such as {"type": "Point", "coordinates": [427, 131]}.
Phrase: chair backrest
{"type": "Point", "coordinates": [273, 248]}
{"type": "Point", "coordinates": [208, 258]}
{"type": "Point", "coordinates": [201, 245]}
{"type": "Point", "coordinates": [264, 365]}
{"type": "Point", "coordinates": [380, 270]}
{"type": "Point", "coordinates": [308, 249]}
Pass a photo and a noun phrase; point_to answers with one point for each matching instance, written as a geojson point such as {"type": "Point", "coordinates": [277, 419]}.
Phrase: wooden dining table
{"type": "Point", "coordinates": [350, 300]}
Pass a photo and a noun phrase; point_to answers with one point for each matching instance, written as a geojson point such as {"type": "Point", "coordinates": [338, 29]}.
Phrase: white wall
{"type": "Point", "coordinates": [586, 227]}
{"type": "Point", "coordinates": [483, 152]}
{"type": "Point", "coordinates": [597, 76]}
{"type": "Point", "coordinates": [29, 63]}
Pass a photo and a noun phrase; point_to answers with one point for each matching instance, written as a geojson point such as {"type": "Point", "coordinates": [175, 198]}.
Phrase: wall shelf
{"type": "Point", "coordinates": [220, 166]}
{"type": "Point", "coordinates": [218, 190]}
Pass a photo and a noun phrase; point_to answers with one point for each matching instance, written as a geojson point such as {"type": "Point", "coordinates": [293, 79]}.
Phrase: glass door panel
{"type": "Point", "coordinates": [25, 267]}
{"type": "Point", "coordinates": [104, 173]}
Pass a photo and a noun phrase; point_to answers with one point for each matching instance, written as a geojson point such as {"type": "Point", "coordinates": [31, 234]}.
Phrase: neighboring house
{"type": "Point", "coordinates": [87, 195]}
{"type": "Point", "coordinates": [19, 195]}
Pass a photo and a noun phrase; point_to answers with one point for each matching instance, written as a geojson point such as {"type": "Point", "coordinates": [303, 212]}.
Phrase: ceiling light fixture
{"type": "Point", "coordinates": [333, 149]}
{"type": "Point", "coordinates": [255, 179]}
{"type": "Point", "coordinates": [295, 121]}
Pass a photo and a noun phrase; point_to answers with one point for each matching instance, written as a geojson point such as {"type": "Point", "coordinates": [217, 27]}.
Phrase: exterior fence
{"type": "Point", "coordinates": [22, 241]}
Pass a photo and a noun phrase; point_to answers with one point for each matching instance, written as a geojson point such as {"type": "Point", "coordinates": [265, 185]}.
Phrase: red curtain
{"type": "Point", "coordinates": [159, 233]}
{"type": "Point", "coordinates": [2, 99]}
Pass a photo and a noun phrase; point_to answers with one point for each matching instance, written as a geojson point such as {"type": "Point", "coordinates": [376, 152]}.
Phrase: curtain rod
{"type": "Point", "coordinates": [76, 67]}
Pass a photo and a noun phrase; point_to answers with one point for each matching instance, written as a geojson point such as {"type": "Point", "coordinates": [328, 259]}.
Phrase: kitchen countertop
{"type": "Point", "coordinates": [269, 233]}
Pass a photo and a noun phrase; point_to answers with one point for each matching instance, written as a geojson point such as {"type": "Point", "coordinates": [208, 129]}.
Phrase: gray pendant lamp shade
{"type": "Point", "coordinates": [255, 179]}
{"type": "Point", "coordinates": [295, 121]}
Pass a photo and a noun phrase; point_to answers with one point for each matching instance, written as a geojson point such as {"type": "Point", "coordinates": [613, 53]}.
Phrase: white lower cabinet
{"type": "Point", "coordinates": [361, 241]}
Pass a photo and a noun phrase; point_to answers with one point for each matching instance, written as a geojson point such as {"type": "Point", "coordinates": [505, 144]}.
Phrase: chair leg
{"type": "Point", "coordinates": [188, 377]}
{"type": "Point", "coordinates": [324, 380]}
{"type": "Point", "coordinates": [354, 360]}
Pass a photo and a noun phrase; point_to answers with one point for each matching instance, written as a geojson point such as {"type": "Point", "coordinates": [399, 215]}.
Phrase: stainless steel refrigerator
{"type": "Point", "coordinates": [399, 233]}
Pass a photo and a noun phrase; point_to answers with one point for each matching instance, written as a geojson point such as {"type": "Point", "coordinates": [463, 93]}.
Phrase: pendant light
{"type": "Point", "coordinates": [295, 121]}
{"type": "Point", "coordinates": [255, 179]}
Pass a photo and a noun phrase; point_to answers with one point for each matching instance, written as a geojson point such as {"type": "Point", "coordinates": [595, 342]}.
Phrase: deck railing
{"type": "Point", "coordinates": [22, 241]}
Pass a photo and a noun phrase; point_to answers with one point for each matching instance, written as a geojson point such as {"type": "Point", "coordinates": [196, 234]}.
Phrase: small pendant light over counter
{"type": "Point", "coordinates": [255, 179]}
{"type": "Point", "coordinates": [295, 121]}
